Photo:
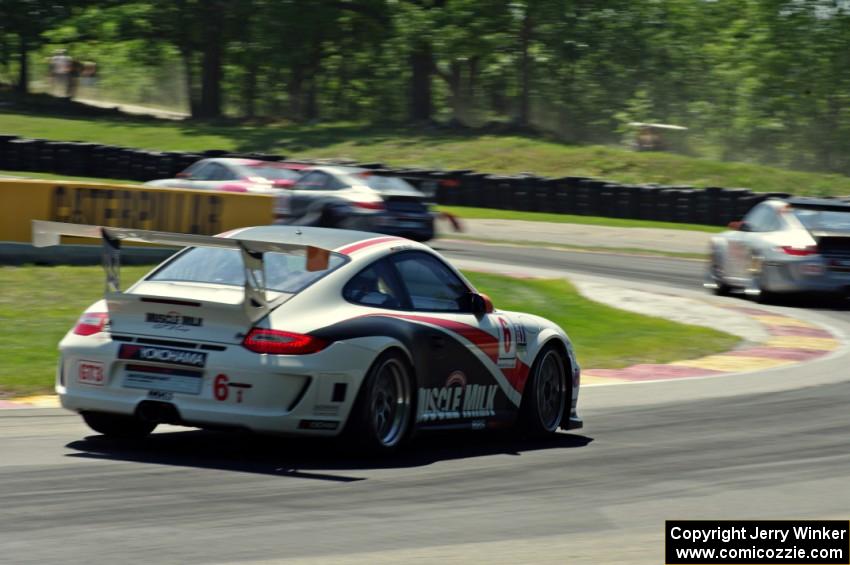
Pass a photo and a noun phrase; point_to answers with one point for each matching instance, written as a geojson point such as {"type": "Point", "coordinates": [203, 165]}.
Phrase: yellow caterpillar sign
{"type": "Point", "coordinates": [144, 207]}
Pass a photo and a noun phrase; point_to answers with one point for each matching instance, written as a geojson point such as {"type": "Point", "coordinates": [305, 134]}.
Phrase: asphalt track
{"type": "Point", "coordinates": [768, 445]}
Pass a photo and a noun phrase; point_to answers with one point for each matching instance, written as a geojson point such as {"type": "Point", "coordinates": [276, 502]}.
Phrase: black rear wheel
{"type": "Point", "coordinates": [544, 401]}
{"type": "Point", "coordinates": [384, 412]}
{"type": "Point", "coordinates": [715, 273]}
{"type": "Point", "coordinates": [118, 425]}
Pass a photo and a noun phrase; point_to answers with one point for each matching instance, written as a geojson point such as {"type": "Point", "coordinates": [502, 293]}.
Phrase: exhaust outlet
{"type": "Point", "coordinates": [158, 412]}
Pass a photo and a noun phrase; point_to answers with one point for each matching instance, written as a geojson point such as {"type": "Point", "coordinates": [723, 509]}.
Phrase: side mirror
{"type": "Point", "coordinates": [480, 304]}
{"type": "Point", "coordinates": [735, 226]}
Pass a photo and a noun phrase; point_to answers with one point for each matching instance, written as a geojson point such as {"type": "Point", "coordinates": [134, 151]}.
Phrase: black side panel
{"type": "Point", "coordinates": [453, 386]}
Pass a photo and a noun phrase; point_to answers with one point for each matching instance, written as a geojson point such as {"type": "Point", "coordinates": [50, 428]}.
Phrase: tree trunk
{"type": "Point", "coordinates": [295, 89]}
{"type": "Point", "coordinates": [191, 98]}
{"type": "Point", "coordinates": [523, 117]}
{"type": "Point", "coordinates": [311, 106]}
{"type": "Point", "coordinates": [422, 66]}
{"type": "Point", "coordinates": [249, 92]}
{"type": "Point", "coordinates": [455, 81]}
{"type": "Point", "coordinates": [213, 33]}
{"type": "Point", "coordinates": [23, 66]}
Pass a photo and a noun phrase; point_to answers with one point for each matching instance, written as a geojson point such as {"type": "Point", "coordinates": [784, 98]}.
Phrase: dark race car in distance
{"type": "Point", "coordinates": [236, 175]}
{"type": "Point", "coordinates": [359, 199]}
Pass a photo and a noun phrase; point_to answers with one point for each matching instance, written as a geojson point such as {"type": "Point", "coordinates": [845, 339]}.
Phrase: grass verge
{"type": "Point", "coordinates": [471, 213]}
{"type": "Point", "coordinates": [51, 176]}
{"type": "Point", "coordinates": [604, 337]}
{"type": "Point", "coordinates": [577, 248]}
{"type": "Point", "coordinates": [39, 304]}
{"type": "Point", "coordinates": [425, 148]}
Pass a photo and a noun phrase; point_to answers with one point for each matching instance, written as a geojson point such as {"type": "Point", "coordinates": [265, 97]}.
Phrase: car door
{"type": "Point", "coordinates": [306, 195]}
{"type": "Point", "coordinates": [216, 175]}
{"type": "Point", "coordinates": [203, 177]}
{"type": "Point", "coordinates": [189, 177]}
{"type": "Point", "coordinates": [742, 244]}
{"type": "Point", "coordinates": [486, 374]}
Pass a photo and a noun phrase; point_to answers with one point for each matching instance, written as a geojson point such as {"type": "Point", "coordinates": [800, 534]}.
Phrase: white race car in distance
{"type": "Point", "coordinates": [306, 331]}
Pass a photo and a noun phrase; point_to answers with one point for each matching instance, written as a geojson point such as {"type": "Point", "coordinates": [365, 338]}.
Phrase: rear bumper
{"type": "Point", "coordinates": [418, 227]}
{"type": "Point", "coordinates": [803, 276]}
{"type": "Point", "coordinates": [294, 395]}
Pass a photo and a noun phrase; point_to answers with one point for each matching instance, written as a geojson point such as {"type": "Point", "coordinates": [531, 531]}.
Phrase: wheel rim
{"type": "Point", "coordinates": [390, 403]}
{"type": "Point", "coordinates": [551, 385]}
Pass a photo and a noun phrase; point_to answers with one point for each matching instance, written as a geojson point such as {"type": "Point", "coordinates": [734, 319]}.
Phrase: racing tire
{"type": "Point", "coordinates": [118, 425]}
{"type": "Point", "coordinates": [714, 275]}
{"type": "Point", "coordinates": [720, 287]}
{"type": "Point", "coordinates": [547, 394]}
{"type": "Point", "coordinates": [764, 296]}
{"type": "Point", "coordinates": [385, 409]}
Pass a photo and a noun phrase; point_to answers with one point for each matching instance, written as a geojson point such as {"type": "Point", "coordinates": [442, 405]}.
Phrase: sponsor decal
{"type": "Point", "coordinates": [160, 395]}
{"type": "Point", "coordinates": [90, 373]}
{"type": "Point", "coordinates": [507, 345]}
{"type": "Point", "coordinates": [521, 339]}
{"type": "Point", "coordinates": [173, 321]}
{"type": "Point", "coordinates": [163, 210]}
{"type": "Point", "coordinates": [317, 425]}
{"type": "Point", "coordinates": [456, 400]}
{"type": "Point", "coordinates": [162, 355]}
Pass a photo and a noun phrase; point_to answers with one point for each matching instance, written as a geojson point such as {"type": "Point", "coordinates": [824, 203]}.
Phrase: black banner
{"type": "Point", "coordinates": [810, 542]}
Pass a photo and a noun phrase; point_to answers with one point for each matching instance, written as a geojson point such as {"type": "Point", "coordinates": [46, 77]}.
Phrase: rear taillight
{"type": "Point", "coordinates": [369, 205]}
{"type": "Point", "coordinates": [276, 342]}
{"type": "Point", "coordinates": [799, 251]}
{"type": "Point", "coordinates": [91, 323]}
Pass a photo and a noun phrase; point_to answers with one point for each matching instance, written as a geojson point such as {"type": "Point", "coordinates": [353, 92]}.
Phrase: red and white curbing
{"type": "Point", "coordinates": [790, 340]}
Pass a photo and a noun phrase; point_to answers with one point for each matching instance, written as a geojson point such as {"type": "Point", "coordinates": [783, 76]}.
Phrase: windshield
{"type": "Point", "coordinates": [389, 184]}
{"type": "Point", "coordinates": [284, 272]}
{"type": "Point", "coordinates": [274, 173]}
{"type": "Point", "coordinates": [829, 220]}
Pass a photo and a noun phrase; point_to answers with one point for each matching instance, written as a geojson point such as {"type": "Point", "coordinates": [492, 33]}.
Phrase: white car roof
{"type": "Point", "coordinates": [338, 169]}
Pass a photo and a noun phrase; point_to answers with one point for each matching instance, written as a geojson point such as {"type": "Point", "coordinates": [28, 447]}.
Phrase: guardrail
{"type": "Point", "coordinates": [526, 192]}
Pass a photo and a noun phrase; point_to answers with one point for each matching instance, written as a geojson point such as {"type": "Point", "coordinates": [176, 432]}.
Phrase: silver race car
{"type": "Point", "coordinates": [784, 246]}
{"type": "Point", "coordinates": [307, 331]}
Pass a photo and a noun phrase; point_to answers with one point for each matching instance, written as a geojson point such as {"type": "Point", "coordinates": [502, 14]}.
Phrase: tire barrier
{"type": "Point", "coordinates": [524, 192]}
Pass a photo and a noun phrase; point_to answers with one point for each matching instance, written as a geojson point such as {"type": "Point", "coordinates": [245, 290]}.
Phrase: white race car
{"type": "Point", "coordinates": [306, 331]}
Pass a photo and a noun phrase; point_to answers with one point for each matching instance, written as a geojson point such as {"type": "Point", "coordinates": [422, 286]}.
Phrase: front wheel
{"type": "Point", "coordinates": [118, 425]}
{"type": "Point", "coordinates": [384, 411]}
{"type": "Point", "coordinates": [545, 398]}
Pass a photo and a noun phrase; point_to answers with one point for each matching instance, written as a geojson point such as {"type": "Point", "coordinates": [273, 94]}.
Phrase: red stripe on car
{"type": "Point", "coordinates": [484, 341]}
{"type": "Point", "coordinates": [349, 249]}
{"type": "Point", "coordinates": [517, 375]}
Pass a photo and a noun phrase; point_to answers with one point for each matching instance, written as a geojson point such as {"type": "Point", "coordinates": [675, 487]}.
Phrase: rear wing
{"type": "Point", "coordinates": [255, 303]}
